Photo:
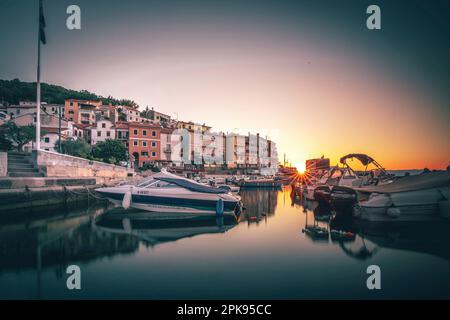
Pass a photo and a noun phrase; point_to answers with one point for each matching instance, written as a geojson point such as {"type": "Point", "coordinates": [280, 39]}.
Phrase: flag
{"type": "Point", "coordinates": [41, 24]}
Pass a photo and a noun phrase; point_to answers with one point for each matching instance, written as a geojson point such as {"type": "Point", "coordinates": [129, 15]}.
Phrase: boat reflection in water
{"type": "Point", "coordinates": [259, 204]}
{"type": "Point", "coordinates": [362, 240]}
{"type": "Point", "coordinates": [146, 255]}
{"type": "Point", "coordinates": [153, 228]}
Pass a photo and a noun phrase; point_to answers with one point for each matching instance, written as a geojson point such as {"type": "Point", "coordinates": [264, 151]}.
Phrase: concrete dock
{"type": "Point", "coordinates": [31, 192]}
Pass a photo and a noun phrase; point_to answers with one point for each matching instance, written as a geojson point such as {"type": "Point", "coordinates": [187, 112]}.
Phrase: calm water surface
{"type": "Point", "coordinates": [264, 256]}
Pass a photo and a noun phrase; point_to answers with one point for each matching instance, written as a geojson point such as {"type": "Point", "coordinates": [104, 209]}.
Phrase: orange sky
{"type": "Point", "coordinates": [314, 80]}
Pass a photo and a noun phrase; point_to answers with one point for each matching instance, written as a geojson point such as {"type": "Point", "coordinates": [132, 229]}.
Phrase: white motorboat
{"type": "Point", "coordinates": [337, 185]}
{"type": "Point", "coordinates": [413, 198]}
{"type": "Point", "coordinates": [166, 192]}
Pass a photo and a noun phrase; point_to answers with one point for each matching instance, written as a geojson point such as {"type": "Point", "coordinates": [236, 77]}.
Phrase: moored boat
{"type": "Point", "coordinates": [166, 192]}
{"type": "Point", "coordinates": [413, 198]}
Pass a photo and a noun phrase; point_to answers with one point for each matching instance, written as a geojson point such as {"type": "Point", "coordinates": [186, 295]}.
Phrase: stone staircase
{"type": "Point", "coordinates": [19, 165]}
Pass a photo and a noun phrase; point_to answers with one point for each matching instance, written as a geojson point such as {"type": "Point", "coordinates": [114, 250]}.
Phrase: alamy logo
{"type": "Point", "coordinates": [374, 20]}
{"type": "Point", "coordinates": [73, 21]}
{"type": "Point", "coordinates": [374, 280]}
{"type": "Point", "coordinates": [74, 280]}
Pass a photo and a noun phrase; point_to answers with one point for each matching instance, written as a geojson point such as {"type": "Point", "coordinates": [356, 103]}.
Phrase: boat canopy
{"type": "Point", "coordinates": [187, 183]}
{"type": "Point", "coordinates": [412, 183]}
{"type": "Point", "coordinates": [363, 158]}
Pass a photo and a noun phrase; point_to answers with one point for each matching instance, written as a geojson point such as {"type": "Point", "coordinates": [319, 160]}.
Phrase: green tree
{"type": "Point", "coordinates": [111, 151]}
{"type": "Point", "coordinates": [77, 148]}
{"type": "Point", "coordinates": [15, 90]}
{"type": "Point", "coordinates": [18, 135]}
{"type": "Point", "coordinates": [5, 143]}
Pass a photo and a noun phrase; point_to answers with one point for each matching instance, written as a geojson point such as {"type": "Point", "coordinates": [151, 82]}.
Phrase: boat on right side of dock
{"type": "Point", "coordinates": [413, 198]}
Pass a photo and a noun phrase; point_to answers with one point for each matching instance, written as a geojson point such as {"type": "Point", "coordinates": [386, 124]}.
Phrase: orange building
{"type": "Point", "coordinates": [144, 143]}
{"type": "Point", "coordinates": [81, 111]}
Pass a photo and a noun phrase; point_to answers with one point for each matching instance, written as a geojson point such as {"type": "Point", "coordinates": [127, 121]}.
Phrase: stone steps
{"type": "Point", "coordinates": [19, 165]}
{"type": "Point", "coordinates": [25, 174]}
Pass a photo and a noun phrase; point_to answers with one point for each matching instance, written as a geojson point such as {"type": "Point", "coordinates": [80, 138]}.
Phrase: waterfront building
{"type": "Point", "coordinates": [273, 157]}
{"type": "Point", "coordinates": [192, 126]}
{"type": "Point", "coordinates": [81, 111]}
{"type": "Point", "coordinates": [156, 117]}
{"type": "Point", "coordinates": [235, 150]}
{"type": "Point", "coordinates": [263, 152]}
{"type": "Point", "coordinates": [130, 114]}
{"type": "Point", "coordinates": [122, 132]}
{"type": "Point", "coordinates": [101, 131]}
{"type": "Point", "coordinates": [27, 107]}
{"type": "Point", "coordinates": [251, 150]}
{"type": "Point", "coordinates": [165, 146]}
{"type": "Point", "coordinates": [144, 143]}
{"type": "Point", "coordinates": [78, 130]}
{"type": "Point", "coordinates": [107, 112]}
{"type": "Point", "coordinates": [213, 149]}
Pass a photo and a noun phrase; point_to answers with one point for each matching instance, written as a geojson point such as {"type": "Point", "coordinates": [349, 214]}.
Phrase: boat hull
{"type": "Point", "coordinates": [163, 204]}
{"type": "Point", "coordinates": [420, 205]}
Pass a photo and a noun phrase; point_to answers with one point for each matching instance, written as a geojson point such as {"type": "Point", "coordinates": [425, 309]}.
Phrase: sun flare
{"type": "Point", "coordinates": [301, 167]}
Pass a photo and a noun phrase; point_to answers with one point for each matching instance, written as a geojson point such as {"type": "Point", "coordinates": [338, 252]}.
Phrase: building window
{"type": "Point", "coordinates": [144, 143]}
{"type": "Point", "coordinates": [108, 133]}
{"type": "Point", "coordinates": [135, 143]}
{"type": "Point", "coordinates": [99, 133]}
{"type": "Point", "coordinates": [153, 144]}
{"type": "Point", "coordinates": [135, 132]}
{"type": "Point", "coordinates": [119, 134]}
{"type": "Point", "coordinates": [103, 125]}
{"type": "Point", "coordinates": [153, 133]}
{"type": "Point", "coordinates": [70, 111]}
{"type": "Point", "coordinates": [46, 139]}
{"type": "Point", "coordinates": [153, 154]}
{"type": "Point", "coordinates": [144, 132]}
{"type": "Point", "coordinates": [144, 153]}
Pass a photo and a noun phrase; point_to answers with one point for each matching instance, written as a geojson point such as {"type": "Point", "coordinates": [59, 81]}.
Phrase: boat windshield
{"type": "Point", "coordinates": [153, 183]}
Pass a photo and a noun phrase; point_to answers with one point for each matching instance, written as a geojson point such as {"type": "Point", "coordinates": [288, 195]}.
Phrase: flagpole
{"type": "Point", "coordinates": [38, 85]}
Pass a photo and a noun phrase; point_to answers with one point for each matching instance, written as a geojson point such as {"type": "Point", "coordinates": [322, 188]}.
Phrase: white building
{"type": "Point", "coordinates": [131, 114]}
{"type": "Point", "coordinates": [27, 107]}
{"type": "Point", "coordinates": [235, 150]}
{"type": "Point", "coordinates": [165, 146]}
{"type": "Point", "coordinates": [101, 131]}
{"type": "Point", "coordinates": [263, 152]}
{"type": "Point", "coordinates": [213, 148]}
{"type": "Point", "coordinates": [251, 150]}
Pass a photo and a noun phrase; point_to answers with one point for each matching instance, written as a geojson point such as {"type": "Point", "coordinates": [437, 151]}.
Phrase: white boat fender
{"type": "Point", "coordinates": [126, 202]}
{"type": "Point", "coordinates": [219, 207]}
{"type": "Point", "coordinates": [393, 212]}
{"type": "Point", "coordinates": [126, 224]}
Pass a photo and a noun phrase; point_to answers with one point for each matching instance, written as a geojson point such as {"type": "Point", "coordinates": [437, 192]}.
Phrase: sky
{"type": "Point", "coordinates": [307, 74]}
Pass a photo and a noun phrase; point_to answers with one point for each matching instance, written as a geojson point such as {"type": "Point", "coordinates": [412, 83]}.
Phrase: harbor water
{"type": "Point", "coordinates": [265, 255]}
